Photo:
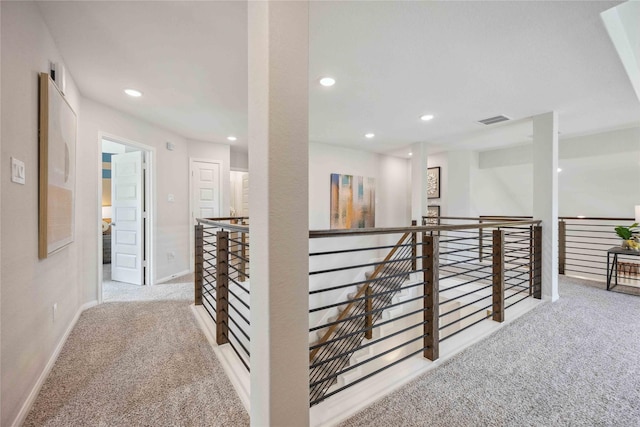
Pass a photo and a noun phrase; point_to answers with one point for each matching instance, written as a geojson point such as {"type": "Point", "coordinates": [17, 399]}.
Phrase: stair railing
{"type": "Point", "coordinates": [358, 297]}
{"type": "Point", "coordinates": [221, 280]}
{"type": "Point", "coordinates": [428, 287]}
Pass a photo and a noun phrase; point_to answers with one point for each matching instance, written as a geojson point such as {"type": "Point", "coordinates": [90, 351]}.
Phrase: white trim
{"type": "Point", "coordinates": [226, 357]}
{"type": "Point", "coordinates": [173, 276]}
{"type": "Point", "coordinates": [150, 195]}
{"type": "Point", "coordinates": [33, 394]}
{"type": "Point", "coordinates": [191, 218]}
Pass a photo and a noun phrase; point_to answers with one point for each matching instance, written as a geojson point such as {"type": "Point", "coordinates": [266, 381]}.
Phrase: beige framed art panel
{"type": "Point", "coordinates": [57, 169]}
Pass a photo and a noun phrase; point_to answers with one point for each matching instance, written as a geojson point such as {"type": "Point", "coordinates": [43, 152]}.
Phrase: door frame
{"type": "Point", "coordinates": [192, 160]}
{"type": "Point", "coordinates": [150, 203]}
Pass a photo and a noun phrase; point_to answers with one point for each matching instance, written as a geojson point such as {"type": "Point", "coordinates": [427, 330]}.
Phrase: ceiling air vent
{"type": "Point", "coordinates": [492, 120]}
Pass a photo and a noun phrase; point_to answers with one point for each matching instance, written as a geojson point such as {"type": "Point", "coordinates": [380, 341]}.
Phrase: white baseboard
{"type": "Point", "coordinates": [236, 373]}
{"type": "Point", "coordinates": [31, 398]}
{"type": "Point", "coordinates": [172, 276]}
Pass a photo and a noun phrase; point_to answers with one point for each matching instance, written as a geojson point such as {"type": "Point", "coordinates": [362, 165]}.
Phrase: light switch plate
{"type": "Point", "coordinates": [17, 171]}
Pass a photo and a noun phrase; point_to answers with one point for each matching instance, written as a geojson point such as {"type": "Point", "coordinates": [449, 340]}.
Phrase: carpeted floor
{"type": "Point", "coordinates": [572, 363]}
{"type": "Point", "coordinates": [138, 364]}
{"type": "Point", "coordinates": [575, 362]}
{"type": "Point", "coordinates": [180, 288]}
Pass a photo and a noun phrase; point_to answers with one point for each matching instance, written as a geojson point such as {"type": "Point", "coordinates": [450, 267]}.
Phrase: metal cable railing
{"type": "Point", "coordinates": [222, 280]}
{"type": "Point", "coordinates": [370, 311]}
{"type": "Point", "coordinates": [583, 246]}
{"type": "Point", "coordinates": [470, 273]}
{"type": "Point", "coordinates": [377, 296]}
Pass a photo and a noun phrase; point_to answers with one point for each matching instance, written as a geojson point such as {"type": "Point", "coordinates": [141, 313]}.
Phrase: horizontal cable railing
{"type": "Point", "coordinates": [381, 296]}
{"type": "Point", "coordinates": [583, 243]}
{"type": "Point", "coordinates": [222, 280]}
{"type": "Point", "coordinates": [484, 271]}
{"type": "Point", "coordinates": [583, 246]}
{"type": "Point", "coordinates": [378, 296]}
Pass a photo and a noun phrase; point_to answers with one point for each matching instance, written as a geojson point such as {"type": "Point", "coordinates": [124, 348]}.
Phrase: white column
{"type": "Point", "coordinates": [545, 197]}
{"type": "Point", "coordinates": [279, 206]}
{"type": "Point", "coordinates": [419, 181]}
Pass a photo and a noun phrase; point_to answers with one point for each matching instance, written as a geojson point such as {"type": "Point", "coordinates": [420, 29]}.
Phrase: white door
{"type": "Point", "coordinates": [127, 196]}
{"type": "Point", "coordinates": [205, 190]}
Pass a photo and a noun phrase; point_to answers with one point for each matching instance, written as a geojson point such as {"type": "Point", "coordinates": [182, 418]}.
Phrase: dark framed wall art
{"type": "Point", "coordinates": [433, 183]}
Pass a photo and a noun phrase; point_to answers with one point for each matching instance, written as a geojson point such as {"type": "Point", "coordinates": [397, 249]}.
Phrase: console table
{"type": "Point", "coordinates": [611, 266]}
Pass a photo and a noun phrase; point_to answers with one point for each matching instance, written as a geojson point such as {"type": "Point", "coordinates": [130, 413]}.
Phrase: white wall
{"type": "Point", "coordinates": [390, 173]}
{"type": "Point", "coordinates": [239, 160]}
{"type": "Point", "coordinates": [30, 286]}
{"type": "Point", "coordinates": [172, 219]}
{"type": "Point", "coordinates": [600, 177]}
{"type": "Point", "coordinates": [393, 196]}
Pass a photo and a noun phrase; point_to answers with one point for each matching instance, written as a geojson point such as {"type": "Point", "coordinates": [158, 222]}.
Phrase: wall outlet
{"type": "Point", "coordinates": [17, 171]}
{"type": "Point", "coordinates": [55, 311]}
{"type": "Point", "coordinates": [171, 255]}
{"type": "Point", "coordinates": [171, 198]}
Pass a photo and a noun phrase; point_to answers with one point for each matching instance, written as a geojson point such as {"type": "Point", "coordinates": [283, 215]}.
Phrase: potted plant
{"type": "Point", "coordinates": [628, 236]}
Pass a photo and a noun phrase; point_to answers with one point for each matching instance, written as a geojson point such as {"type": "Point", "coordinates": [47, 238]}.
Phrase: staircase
{"type": "Point", "coordinates": [345, 333]}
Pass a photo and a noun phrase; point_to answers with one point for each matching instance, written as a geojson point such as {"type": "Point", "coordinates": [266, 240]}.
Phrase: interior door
{"type": "Point", "coordinates": [127, 196]}
{"type": "Point", "coordinates": [205, 195]}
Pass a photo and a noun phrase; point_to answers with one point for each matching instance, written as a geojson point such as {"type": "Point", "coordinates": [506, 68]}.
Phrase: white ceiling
{"type": "Point", "coordinates": [393, 61]}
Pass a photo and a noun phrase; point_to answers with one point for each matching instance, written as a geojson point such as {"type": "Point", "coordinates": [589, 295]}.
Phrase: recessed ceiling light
{"type": "Point", "coordinates": [369, 135]}
{"type": "Point", "coordinates": [559, 169]}
{"type": "Point", "coordinates": [426, 117]}
{"type": "Point", "coordinates": [133, 92]}
{"type": "Point", "coordinates": [232, 138]}
{"type": "Point", "coordinates": [411, 154]}
{"type": "Point", "coordinates": [581, 216]}
{"type": "Point", "coordinates": [327, 81]}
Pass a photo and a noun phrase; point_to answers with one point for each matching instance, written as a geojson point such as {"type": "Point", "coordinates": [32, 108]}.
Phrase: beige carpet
{"type": "Point", "coordinates": [137, 364]}
{"type": "Point", "coordinates": [575, 362]}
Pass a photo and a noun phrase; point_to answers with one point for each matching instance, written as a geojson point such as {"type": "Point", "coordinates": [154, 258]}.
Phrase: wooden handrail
{"type": "Point", "coordinates": [224, 225]}
{"type": "Point", "coordinates": [596, 218]}
{"type": "Point", "coordinates": [422, 228]}
{"type": "Point", "coordinates": [359, 294]}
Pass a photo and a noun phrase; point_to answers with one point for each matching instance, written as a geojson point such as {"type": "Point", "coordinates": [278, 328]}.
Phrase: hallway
{"type": "Point", "coordinates": [140, 361]}
{"type": "Point", "coordinates": [574, 362]}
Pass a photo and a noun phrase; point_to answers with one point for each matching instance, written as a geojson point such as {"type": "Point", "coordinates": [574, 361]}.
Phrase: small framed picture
{"type": "Point", "coordinates": [433, 183]}
{"type": "Point", "coordinates": [433, 215]}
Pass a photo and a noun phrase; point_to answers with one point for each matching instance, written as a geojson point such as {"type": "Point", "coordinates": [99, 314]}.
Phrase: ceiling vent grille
{"type": "Point", "coordinates": [493, 120]}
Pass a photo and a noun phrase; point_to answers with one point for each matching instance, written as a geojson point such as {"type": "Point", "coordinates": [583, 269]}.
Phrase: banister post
{"type": "Point", "coordinates": [368, 308]}
{"type": "Point", "coordinates": [531, 260]}
{"type": "Point", "coordinates": [243, 254]}
{"type": "Point", "coordinates": [562, 245]}
{"type": "Point", "coordinates": [480, 231]}
{"type": "Point", "coordinates": [537, 263]}
{"type": "Point", "coordinates": [430, 260]}
{"type": "Point", "coordinates": [199, 263]}
{"type": "Point", "coordinates": [222, 287]}
{"type": "Point", "coordinates": [414, 247]}
{"type": "Point", "coordinates": [498, 275]}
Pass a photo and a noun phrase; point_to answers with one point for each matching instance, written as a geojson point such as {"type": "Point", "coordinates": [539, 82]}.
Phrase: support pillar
{"type": "Point", "coordinates": [545, 196]}
{"type": "Point", "coordinates": [419, 181]}
{"type": "Point", "coordinates": [278, 38]}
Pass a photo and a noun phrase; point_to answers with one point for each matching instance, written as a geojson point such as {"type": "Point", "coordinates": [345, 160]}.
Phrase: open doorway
{"type": "Point", "coordinates": [126, 215]}
{"type": "Point", "coordinates": [239, 203]}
